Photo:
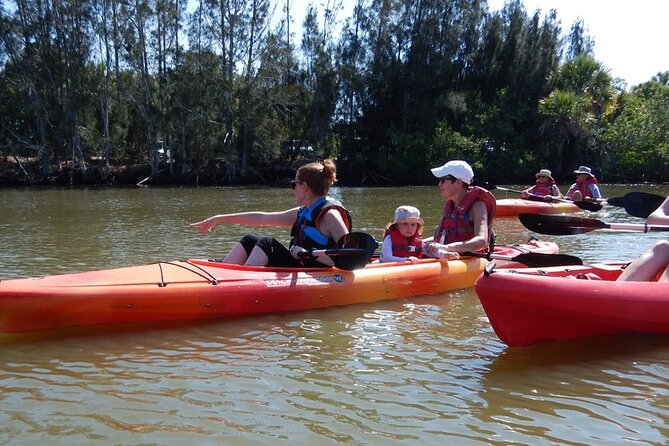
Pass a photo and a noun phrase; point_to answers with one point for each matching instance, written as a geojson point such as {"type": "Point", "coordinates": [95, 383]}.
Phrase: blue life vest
{"type": "Point", "coordinates": [305, 231]}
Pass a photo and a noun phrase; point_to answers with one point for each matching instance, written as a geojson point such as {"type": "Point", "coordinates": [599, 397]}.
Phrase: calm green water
{"type": "Point", "coordinates": [427, 370]}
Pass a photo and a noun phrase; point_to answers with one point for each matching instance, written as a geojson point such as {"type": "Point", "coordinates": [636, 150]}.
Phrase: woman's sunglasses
{"type": "Point", "coordinates": [447, 177]}
{"type": "Point", "coordinates": [295, 183]}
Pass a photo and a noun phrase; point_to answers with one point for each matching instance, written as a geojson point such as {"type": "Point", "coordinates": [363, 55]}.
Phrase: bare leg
{"type": "Point", "coordinates": [665, 275]}
{"type": "Point", "coordinates": [237, 255]}
{"type": "Point", "coordinates": [651, 262]}
{"type": "Point", "coordinates": [578, 196]}
{"type": "Point", "coordinates": [257, 258]}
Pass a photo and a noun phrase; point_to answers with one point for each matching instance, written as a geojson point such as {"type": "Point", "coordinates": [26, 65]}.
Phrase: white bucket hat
{"type": "Point", "coordinates": [544, 173]}
{"type": "Point", "coordinates": [457, 168]}
{"type": "Point", "coordinates": [583, 169]}
{"type": "Point", "coordinates": [407, 213]}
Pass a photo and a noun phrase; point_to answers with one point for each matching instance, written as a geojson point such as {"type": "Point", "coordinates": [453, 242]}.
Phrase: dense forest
{"type": "Point", "coordinates": [220, 92]}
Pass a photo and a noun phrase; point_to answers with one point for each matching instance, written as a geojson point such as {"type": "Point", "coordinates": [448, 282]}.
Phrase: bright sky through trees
{"type": "Point", "coordinates": [629, 36]}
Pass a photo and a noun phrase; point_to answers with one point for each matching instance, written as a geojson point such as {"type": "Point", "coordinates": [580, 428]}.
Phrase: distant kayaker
{"type": "Point", "coordinates": [544, 187]}
{"type": "Point", "coordinates": [467, 221]}
{"type": "Point", "coordinates": [402, 240]}
{"type": "Point", "coordinates": [656, 259]}
{"type": "Point", "coordinates": [585, 187]}
{"type": "Point", "coordinates": [317, 223]}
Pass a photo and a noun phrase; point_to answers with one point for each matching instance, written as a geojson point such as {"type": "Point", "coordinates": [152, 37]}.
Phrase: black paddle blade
{"type": "Point", "coordinates": [560, 224]}
{"type": "Point", "coordinates": [539, 260]}
{"type": "Point", "coordinates": [589, 205]}
{"type": "Point", "coordinates": [358, 241]}
{"type": "Point", "coordinates": [638, 204]}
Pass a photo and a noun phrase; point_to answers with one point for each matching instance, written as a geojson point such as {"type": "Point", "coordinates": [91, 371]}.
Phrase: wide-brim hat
{"type": "Point", "coordinates": [544, 173]}
{"type": "Point", "coordinates": [457, 168]}
{"type": "Point", "coordinates": [583, 169]}
{"type": "Point", "coordinates": [407, 213]}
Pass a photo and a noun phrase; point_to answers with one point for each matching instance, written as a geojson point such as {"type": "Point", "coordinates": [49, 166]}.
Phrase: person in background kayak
{"type": "Point", "coordinates": [317, 223]}
{"type": "Point", "coordinates": [656, 259]}
{"type": "Point", "coordinates": [544, 187]}
{"type": "Point", "coordinates": [402, 240]}
{"type": "Point", "coordinates": [585, 187]}
{"type": "Point", "coordinates": [467, 221]}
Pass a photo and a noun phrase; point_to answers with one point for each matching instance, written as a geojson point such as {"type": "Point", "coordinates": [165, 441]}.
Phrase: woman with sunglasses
{"type": "Point", "coordinates": [318, 222]}
{"type": "Point", "coordinates": [467, 221]}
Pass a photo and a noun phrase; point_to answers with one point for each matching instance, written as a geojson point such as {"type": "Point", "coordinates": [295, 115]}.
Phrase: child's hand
{"type": "Point", "coordinates": [412, 259]}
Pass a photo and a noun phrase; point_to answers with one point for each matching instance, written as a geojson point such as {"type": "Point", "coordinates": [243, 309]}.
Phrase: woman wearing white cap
{"type": "Point", "coordinates": [585, 186]}
{"type": "Point", "coordinates": [467, 221]}
{"type": "Point", "coordinates": [544, 187]}
{"type": "Point", "coordinates": [402, 240]}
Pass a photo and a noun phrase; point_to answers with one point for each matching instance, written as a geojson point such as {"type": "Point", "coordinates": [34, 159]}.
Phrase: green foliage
{"type": "Point", "coordinates": [639, 137]}
{"type": "Point", "coordinates": [404, 86]}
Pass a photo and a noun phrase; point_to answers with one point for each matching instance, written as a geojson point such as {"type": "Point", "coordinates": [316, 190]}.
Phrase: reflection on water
{"type": "Point", "coordinates": [426, 370]}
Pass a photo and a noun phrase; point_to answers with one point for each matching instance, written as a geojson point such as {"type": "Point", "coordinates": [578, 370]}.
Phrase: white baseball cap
{"type": "Point", "coordinates": [457, 168]}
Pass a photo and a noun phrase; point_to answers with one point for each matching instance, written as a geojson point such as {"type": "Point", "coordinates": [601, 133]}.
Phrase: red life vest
{"type": "Point", "coordinates": [406, 247]}
{"type": "Point", "coordinates": [583, 187]}
{"type": "Point", "coordinates": [542, 189]}
{"type": "Point", "coordinates": [456, 224]}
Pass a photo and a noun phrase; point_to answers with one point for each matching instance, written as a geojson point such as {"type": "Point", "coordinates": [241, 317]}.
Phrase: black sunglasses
{"type": "Point", "coordinates": [447, 177]}
{"type": "Point", "coordinates": [295, 183]}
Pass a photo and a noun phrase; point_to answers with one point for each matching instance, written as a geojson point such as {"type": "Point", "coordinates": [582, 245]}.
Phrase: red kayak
{"type": "Point", "coordinates": [542, 304]}
{"type": "Point", "coordinates": [197, 290]}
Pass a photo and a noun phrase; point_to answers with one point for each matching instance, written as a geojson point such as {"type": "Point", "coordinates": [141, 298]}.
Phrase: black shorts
{"type": "Point", "coordinates": [279, 256]}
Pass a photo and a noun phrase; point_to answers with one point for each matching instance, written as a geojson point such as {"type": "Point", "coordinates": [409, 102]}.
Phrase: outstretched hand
{"type": "Point", "coordinates": [205, 225]}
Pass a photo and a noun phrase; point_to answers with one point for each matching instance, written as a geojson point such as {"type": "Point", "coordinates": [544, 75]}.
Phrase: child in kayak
{"type": "Point", "coordinates": [402, 240]}
{"type": "Point", "coordinates": [544, 187]}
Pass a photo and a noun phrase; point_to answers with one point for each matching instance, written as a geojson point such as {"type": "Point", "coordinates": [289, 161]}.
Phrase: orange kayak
{"type": "Point", "coordinates": [532, 305]}
{"type": "Point", "coordinates": [508, 207]}
{"type": "Point", "coordinates": [198, 289]}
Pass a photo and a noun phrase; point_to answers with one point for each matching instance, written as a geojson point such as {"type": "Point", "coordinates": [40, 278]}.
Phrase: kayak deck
{"type": "Point", "coordinates": [200, 289]}
{"type": "Point", "coordinates": [542, 304]}
{"type": "Point", "coordinates": [508, 207]}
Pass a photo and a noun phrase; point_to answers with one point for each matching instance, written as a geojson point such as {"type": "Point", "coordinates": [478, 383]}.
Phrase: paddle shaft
{"type": "Point", "coordinates": [530, 259]}
{"type": "Point", "coordinates": [571, 225]}
{"type": "Point", "coordinates": [334, 252]}
{"type": "Point", "coordinates": [633, 227]}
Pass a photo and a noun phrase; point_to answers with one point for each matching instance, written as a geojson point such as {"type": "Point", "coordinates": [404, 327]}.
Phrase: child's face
{"type": "Point", "coordinates": [407, 229]}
